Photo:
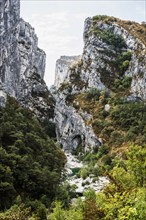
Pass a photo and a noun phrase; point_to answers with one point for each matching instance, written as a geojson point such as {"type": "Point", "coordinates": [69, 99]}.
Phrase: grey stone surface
{"type": "Point", "coordinates": [71, 129]}
{"type": "Point", "coordinates": [22, 63]}
{"type": "Point", "coordinates": [62, 68]}
{"type": "Point", "coordinates": [95, 69]}
{"type": "Point", "coordinates": [3, 98]}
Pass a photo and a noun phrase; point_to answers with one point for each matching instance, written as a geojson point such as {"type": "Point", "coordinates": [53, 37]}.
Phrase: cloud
{"type": "Point", "coordinates": [52, 30]}
{"type": "Point", "coordinates": [81, 16]}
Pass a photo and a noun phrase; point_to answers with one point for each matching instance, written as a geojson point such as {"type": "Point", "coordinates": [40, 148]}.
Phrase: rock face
{"type": "Point", "coordinates": [105, 40]}
{"type": "Point", "coordinates": [3, 98]}
{"type": "Point", "coordinates": [22, 63]}
{"type": "Point", "coordinates": [62, 68]}
{"type": "Point", "coordinates": [114, 50]}
{"type": "Point", "coordinates": [72, 132]}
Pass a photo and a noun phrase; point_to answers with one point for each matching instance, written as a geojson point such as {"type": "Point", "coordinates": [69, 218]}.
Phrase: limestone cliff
{"type": "Point", "coordinates": [62, 68]}
{"type": "Point", "coordinates": [113, 61]}
{"type": "Point", "coordinates": [22, 63]}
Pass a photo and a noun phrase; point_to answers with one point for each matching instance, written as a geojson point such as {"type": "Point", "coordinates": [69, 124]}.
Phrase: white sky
{"type": "Point", "coordinates": [59, 24]}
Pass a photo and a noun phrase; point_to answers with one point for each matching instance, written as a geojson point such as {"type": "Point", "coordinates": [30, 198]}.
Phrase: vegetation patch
{"type": "Point", "coordinates": [31, 164]}
{"type": "Point", "coordinates": [123, 198]}
{"type": "Point", "coordinates": [104, 18]}
{"type": "Point", "coordinates": [109, 37]}
{"type": "Point", "coordinates": [124, 122]}
{"type": "Point", "coordinates": [122, 62]}
{"type": "Point", "coordinates": [65, 86]}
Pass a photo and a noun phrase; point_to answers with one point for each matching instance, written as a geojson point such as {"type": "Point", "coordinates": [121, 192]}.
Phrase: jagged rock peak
{"type": "Point", "coordinates": [10, 13]}
{"type": "Point", "coordinates": [22, 63]}
{"type": "Point", "coordinates": [106, 41]}
{"type": "Point", "coordinates": [62, 67]}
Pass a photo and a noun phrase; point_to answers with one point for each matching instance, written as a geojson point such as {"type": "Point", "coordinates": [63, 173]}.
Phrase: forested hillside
{"type": "Point", "coordinates": [31, 162]}
{"type": "Point", "coordinates": [78, 151]}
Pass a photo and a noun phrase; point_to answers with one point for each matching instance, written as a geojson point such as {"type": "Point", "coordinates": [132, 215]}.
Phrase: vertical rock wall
{"type": "Point", "coordinates": [22, 63]}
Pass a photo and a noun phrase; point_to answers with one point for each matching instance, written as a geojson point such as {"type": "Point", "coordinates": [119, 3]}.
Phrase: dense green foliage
{"type": "Point", "coordinates": [125, 121]}
{"type": "Point", "coordinates": [109, 37]}
{"type": "Point", "coordinates": [119, 120]}
{"type": "Point", "coordinates": [112, 39]}
{"type": "Point", "coordinates": [124, 198]}
{"type": "Point", "coordinates": [30, 162]}
{"type": "Point", "coordinates": [122, 62]}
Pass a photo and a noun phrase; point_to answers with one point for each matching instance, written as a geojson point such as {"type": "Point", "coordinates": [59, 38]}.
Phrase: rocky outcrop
{"type": "Point", "coordinates": [62, 67]}
{"type": "Point", "coordinates": [114, 51]}
{"type": "Point", "coordinates": [105, 40]}
{"type": "Point", "coordinates": [72, 132]}
{"type": "Point", "coordinates": [22, 63]}
{"type": "Point", "coordinates": [3, 98]}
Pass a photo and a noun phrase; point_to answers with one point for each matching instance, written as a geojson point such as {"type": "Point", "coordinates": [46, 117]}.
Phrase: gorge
{"type": "Point", "coordinates": [95, 112]}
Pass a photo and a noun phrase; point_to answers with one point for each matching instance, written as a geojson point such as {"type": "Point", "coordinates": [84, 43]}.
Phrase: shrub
{"type": "Point", "coordinates": [84, 173]}
{"type": "Point", "coordinates": [96, 171]}
{"type": "Point", "coordinates": [122, 84]}
{"type": "Point", "coordinates": [95, 179]}
{"type": "Point", "coordinates": [116, 138]}
{"type": "Point", "coordinates": [103, 18]}
{"type": "Point", "coordinates": [93, 93]}
{"type": "Point", "coordinates": [107, 160]}
{"type": "Point", "coordinates": [124, 66]}
{"type": "Point", "coordinates": [113, 39]}
{"type": "Point", "coordinates": [87, 182]}
{"type": "Point", "coordinates": [122, 62]}
{"type": "Point", "coordinates": [104, 149]}
{"type": "Point", "coordinates": [65, 85]}
{"type": "Point", "coordinates": [75, 170]}
{"type": "Point", "coordinates": [90, 157]}
{"type": "Point", "coordinates": [41, 212]}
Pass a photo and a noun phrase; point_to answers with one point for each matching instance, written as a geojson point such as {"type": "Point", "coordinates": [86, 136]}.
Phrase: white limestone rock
{"type": "Point", "coordinates": [95, 69]}
{"type": "Point", "coordinates": [88, 183]}
{"type": "Point", "coordinates": [72, 162]}
{"type": "Point", "coordinates": [62, 67]}
{"type": "Point", "coordinates": [83, 184]}
{"type": "Point", "coordinates": [22, 63]}
{"type": "Point", "coordinates": [3, 98]}
{"type": "Point", "coordinates": [71, 129]}
{"type": "Point", "coordinates": [107, 107]}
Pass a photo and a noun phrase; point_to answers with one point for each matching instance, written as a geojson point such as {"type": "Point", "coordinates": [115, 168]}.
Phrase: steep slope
{"type": "Point", "coordinates": [108, 79]}
{"type": "Point", "coordinates": [22, 63]}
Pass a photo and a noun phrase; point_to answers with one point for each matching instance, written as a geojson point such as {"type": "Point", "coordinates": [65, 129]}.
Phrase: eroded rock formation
{"type": "Point", "coordinates": [22, 63]}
